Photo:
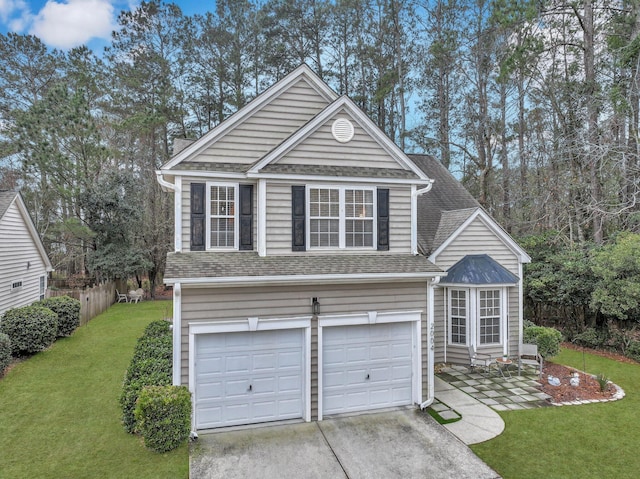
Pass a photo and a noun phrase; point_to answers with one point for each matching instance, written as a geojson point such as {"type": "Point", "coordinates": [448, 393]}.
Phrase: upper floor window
{"type": "Point", "coordinates": [341, 217]}
{"type": "Point", "coordinates": [222, 227]}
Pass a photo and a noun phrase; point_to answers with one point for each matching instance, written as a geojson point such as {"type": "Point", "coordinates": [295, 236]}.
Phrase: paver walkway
{"type": "Point", "coordinates": [501, 394]}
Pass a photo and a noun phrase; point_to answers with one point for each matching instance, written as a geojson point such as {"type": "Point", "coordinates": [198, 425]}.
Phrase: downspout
{"type": "Point", "coordinates": [430, 342]}
{"type": "Point", "coordinates": [177, 334]}
{"type": "Point", "coordinates": [414, 214]}
{"type": "Point", "coordinates": [176, 188]}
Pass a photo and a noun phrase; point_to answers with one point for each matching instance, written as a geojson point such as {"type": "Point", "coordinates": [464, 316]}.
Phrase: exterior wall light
{"type": "Point", "coordinates": [315, 306]}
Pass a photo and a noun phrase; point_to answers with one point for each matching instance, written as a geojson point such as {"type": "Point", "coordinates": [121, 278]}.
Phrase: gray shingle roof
{"type": "Point", "coordinates": [348, 171]}
{"type": "Point", "coordinates": [6, 198]}
{"type": "Point", "coordinates": [236, 265]}
{"type": "Point", "coordinates": [479, 269]}
{"type": "Point", "coordinates": [213, 166]}
{"type": "Point", "coordinates": [447, 195]}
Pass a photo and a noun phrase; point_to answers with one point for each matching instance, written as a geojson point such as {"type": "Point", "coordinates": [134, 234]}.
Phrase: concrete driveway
{"type": "Point", "coordinates": [394, 444]}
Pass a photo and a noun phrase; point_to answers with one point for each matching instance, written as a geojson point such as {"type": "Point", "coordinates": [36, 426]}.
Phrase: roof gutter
{"type": "Point", "coordinates": [414, 214]}
{"type": "Point", "coordinates": [164, 183]}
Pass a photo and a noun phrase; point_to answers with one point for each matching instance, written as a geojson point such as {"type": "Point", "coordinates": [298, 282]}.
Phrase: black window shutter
{"type": "Point", "coordinates": [198, 216]}
{"type": "Point", "coordinates": [246, 217]}
{"type": "Point", "coordinates": [383, 219]}
{"type": "Point", "coordinates": [298, 199]}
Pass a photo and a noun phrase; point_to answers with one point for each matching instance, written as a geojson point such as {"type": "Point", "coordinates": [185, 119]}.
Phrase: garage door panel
{"type": "Point", "coordinates": [248, 377]}
{"type": "Point", "coordinates": [366, 366]}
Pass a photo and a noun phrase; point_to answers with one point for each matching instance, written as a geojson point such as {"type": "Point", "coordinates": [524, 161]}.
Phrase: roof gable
{"type": "Point", "coordinates": [8, 198]}
{"type": "Point", "coordinates": [345, 108]}
{"type": "Point", "coordinates": [301, 73]}
{"type": "Point", "coordinates": [479, 269]}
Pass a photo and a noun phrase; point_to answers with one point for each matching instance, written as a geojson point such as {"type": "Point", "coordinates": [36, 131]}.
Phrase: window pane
{"type": "Point", "coordinates": [222, 211]}
{"type": "Point", "coordinates": [458, 316]}
{"type": "Point", "coordinates": [359, 218]}
{"type": "Point", "coordinates": [490, 317]}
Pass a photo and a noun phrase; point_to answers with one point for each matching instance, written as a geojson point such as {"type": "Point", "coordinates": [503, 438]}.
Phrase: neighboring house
{"type": "Point", "coordinates": [24, 263]}
{"type": "Point", "coordinates": [299, 290]}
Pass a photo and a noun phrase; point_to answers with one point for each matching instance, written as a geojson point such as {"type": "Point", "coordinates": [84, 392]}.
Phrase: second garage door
{"type": "Point", "coordinates": [366, 367]}
{"type": "Point", "coordinates": [248, 377]}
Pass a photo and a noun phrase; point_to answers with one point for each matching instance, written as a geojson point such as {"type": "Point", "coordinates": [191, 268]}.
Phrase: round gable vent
{"type": "Point", "coordinates": [342, 130]}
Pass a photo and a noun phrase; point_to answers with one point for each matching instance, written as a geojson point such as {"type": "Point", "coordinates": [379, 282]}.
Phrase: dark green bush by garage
{"type": "Point", "coordinates": [30, 328]}
{"type": "Point", "coordinates": [68, 311]}
{"type": "Point", "coordinates": [163, 416]}
{"type": "Point", "coordinates": [5, 352]}
{"type": "Point", "coordinates": [151, 365]}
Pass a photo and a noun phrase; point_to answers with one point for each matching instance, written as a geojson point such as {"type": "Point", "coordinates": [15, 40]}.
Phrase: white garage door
{"type": "Point", "coordinates": [248, 377]}
{"type": "Point", "coordinates": [366, 367]}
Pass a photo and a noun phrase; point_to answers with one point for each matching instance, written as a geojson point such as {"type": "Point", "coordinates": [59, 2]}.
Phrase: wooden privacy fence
{"type": "Point", "coordinates": [93, 301]}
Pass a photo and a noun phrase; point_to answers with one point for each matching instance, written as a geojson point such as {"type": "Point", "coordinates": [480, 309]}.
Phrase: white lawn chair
{"type": "Point", "coordinates": [480, 361]}
{"type": "Point", "coordinates": [529, 356]}
{"type": "Point", "coordinates": [121, 297]}
{"type": "Point", "coordinates": [137, 295]}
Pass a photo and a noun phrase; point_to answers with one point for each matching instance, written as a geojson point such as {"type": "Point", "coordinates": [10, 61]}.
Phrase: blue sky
{"type": "Point", "coordinates": [65, 24]}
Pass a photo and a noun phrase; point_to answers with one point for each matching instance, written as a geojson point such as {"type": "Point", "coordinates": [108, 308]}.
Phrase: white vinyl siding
{"type": "Point", "coordinates": [20, 262]}
{"type": "Point", "coordinates": [222, 224]}
{"type": "Point", "coordinates": [340, 217]}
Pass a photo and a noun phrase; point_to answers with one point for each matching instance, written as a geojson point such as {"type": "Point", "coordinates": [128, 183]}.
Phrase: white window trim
{"type": "Point", "coordinates": [467, 316]}
{"type": "Point", "coordinates": [342, 218]}
{"type": "Point", "coordinates": [502, 317]}
{"type": "Point", "coordinates": [473, 316]}
{"type": "Point", "coordinates": [236, 221]}
{"type": "Point", "coordinates": [42, 285]}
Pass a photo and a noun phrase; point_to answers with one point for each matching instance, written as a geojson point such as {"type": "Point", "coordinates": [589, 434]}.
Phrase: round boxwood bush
{"type": "Point", "coordinates": [5, 352]}
{"type": "Point", "coordinates": [68, 311]}
{"type": "Point", "coordinates": [547, 339]}
{"type": "Point", "coordinates": [30, 328]}
{"type": "Point", "coordinates": [633, 350]}
{"type": "Point", "coordinates": [163, 415]}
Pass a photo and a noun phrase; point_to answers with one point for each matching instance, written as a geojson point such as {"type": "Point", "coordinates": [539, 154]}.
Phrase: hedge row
{"type": "Point", "coordinates": [161, 413]}
{"type": "Point", "coordinates": [33, 328]}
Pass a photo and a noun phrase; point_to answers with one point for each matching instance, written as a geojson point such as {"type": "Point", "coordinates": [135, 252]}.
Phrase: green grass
{"type": "Point", "coordinates": [59, 411]}
{"type": "Point", "coordinates": [588, 441]}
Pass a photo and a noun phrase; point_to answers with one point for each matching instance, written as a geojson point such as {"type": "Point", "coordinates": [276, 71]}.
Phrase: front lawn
{"type": "Point", "coordinates": [59, 411]}
{"type": "Point", "coordinates": [590, 441]}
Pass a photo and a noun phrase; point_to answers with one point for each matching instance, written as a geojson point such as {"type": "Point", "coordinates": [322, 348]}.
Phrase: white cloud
{"type": "Point", "coordinates": [74, 22]}
{"type": "Point", "coordinates": [9, 7]}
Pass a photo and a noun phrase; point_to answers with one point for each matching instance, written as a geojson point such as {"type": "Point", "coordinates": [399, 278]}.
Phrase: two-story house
{"type": "Point", "coordinates": [306, 282]}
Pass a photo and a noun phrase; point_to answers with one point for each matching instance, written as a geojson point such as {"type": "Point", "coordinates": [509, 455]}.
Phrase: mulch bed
{"type": "Point", "coordinates": [588, 389]}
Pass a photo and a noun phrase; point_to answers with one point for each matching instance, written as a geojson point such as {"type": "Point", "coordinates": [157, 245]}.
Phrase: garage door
{"type": "Point", "coordinates": [366, 367]}
{"type": "Point", "coordinates": [248, 377]}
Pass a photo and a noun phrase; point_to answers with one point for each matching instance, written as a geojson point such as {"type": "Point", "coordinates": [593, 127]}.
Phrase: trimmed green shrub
{"type": "Point", "coordinates": [163, 415]}
{"type": "Point", "coordinates": [547, 339]}
{"type": "Point", "coordinates": [633, 350]}
{"type": "Point", "coordinates": [158, 328]}
{"type": "Point", "coordinates": [151, 365]}
{"type": "Point", "coordinates": [5, 352]}
{"type": "Point", "coordinates": [30, 328]}
{"type": "Point", "coordinates": [68, 311]}
{"type": "Point", "coordinates": [588, 338]}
